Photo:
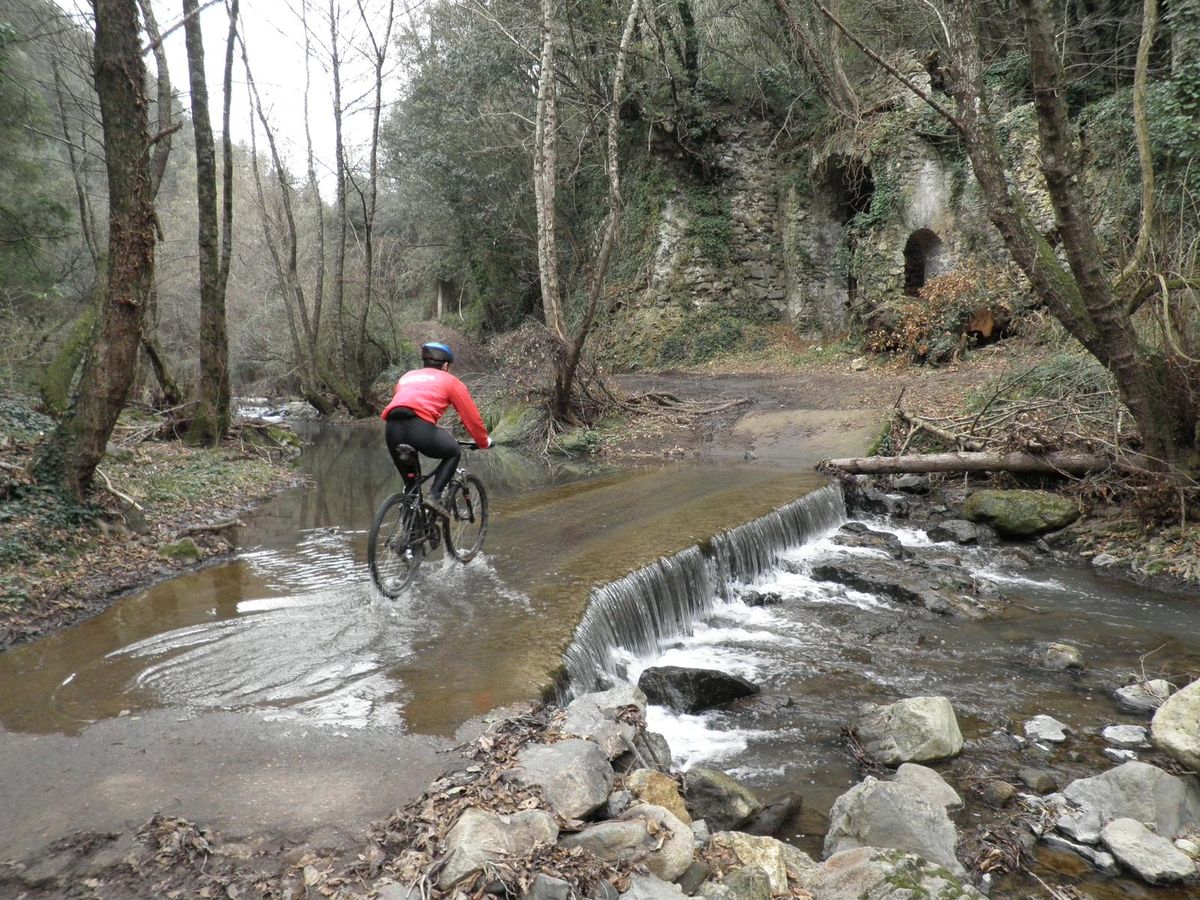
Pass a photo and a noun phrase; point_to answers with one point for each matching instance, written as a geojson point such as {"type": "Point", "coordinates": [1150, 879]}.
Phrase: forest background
{"type": "Point", "coordinates": [521, 163]}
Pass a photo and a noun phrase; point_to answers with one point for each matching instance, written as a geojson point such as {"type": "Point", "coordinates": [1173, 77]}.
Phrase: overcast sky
{"type": "Point", "coordinates": [274, 39]}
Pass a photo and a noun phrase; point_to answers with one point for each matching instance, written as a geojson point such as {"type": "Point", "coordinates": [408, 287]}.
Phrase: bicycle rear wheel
{"type": "Point", "coordinates": [392, 553]}
{"type": "Point", "coordinates": [467, 503]}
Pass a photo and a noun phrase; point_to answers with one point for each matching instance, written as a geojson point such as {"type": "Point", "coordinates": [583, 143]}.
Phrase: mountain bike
{"type": "Point", "coordinates": [404, 530]}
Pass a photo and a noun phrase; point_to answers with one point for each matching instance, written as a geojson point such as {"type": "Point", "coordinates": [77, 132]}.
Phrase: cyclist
{"type": "Point", "coordinates": [420, 399]}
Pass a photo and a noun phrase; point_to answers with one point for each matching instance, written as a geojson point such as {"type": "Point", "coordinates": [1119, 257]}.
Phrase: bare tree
{"type": "Point", "coordinates": [545, 177]}
{"type": "Point", "coordinates": [70, 455]}
{"type": "Point", "coordinates": [369, 197]}
{"type": "Point", "coordinates": [1159, 388]}
{"type": "Point", "coordinates": [567, 372]}
{"type": "Point", "coordinates": [211, 417]}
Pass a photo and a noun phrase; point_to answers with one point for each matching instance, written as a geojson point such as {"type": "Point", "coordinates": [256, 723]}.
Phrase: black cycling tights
{"type": "Point", "coordinates": [429, 440]}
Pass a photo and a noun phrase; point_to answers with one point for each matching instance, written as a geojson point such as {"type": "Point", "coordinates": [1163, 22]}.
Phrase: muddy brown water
{"type": "Point", "coordinates": [292, 631]}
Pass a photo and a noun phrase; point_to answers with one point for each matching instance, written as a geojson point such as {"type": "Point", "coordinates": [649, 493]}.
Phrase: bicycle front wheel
{"type": "Point", "coordinates": [467, 502]}
{"type": "Point", "coordinates": [392, 553]}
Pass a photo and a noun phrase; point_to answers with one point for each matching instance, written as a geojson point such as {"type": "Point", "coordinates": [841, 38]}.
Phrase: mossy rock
{"type": "Point", "coordinates": [183, 550]}
{"type": "Point", "coordinates": [515, 424]}
{"type": "Point", "coordinates": [1020, 514]}
{"type": "Point", "coordinates": [577, 442]}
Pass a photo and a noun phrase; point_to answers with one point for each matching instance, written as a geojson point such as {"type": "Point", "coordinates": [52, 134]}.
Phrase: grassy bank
{"type": "Point", "coordinates": [158, 507]}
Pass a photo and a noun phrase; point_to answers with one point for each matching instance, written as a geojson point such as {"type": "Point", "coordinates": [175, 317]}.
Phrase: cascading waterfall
{"type": "Point", "coordinates": [664, 600]}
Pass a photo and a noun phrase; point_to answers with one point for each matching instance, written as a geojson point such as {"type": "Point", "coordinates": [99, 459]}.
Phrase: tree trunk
{"type": "Point", "coordinates": [1184, 18]}
{"type": "Point", "coordinates": [379, 48]}
{"type": "Point", "coordinates": [545, 179]}
{"type": "Point", "coordinates": [1049, 464]}
{"type": "Point", "coordinates": [210, 420]}
{"type": "Point", "coordinates": [70, 455]}
{"type": "Point", "coordinates": [565, 376]}
{"type": "Point", "coordinates": [1082, 298]}
{"type": "Point", "coordinates": [339, 249]}
{"type": "Point", "coordinates": [818, 53]}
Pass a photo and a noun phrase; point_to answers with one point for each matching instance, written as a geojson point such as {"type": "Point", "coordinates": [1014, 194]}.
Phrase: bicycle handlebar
{"type": "Point", "coordinates": [470, 445]}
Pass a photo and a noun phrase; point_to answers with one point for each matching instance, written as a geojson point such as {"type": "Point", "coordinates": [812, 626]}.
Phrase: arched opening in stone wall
{"type": "Point", "coordinates": [847, 185]}
{"type": "Point", "coordinates": [922, 259]}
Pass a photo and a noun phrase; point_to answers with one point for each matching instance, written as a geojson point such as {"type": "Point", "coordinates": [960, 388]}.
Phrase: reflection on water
{"type": "Point", "coordinates": [294, 628]}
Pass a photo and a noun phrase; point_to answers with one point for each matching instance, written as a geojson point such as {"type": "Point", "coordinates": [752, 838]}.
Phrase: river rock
{"type": "Point", "coordinates": [1144, 696]}
{"type": "Point", "coordinates": [651, 833]}
{"type": "Point", "coordinates": [932, 785]}
{"type": "Point", "coordinates": [480, 837]}
{"type": "Point", "coordinates": [911, 484]}
{"type": "Point", "coordinates": [771, 818]}
{"type": "Point", "coordinates": [1175, 728]}
{"type": "Point", "coordinates": [546, 887]}
{"type": "Point", "coordinates": [959, 531]}
{"type": "Point", "coordinates": [883, 874]}
{"type": "Point", "coordinates": [1152, 858]}
{"type": "Point", "coordinates": [718, 799]}
{"type": "Point", "coordinates": [1046, 730]}
{"type": "Point", "coordinates": [1020, 513]}
{"type": "Point", "coordinates": [585, 718]}
{"type": "Point", "coordinates": [617, 698]}
{"type": "Point", "coordinates": [1043, 781]}
{"type": "Point", "coordinates": [750, 850]}
{"type": "Point", "coordinates": [647, 887]}
{"type": "Point", "coordinates": [575, 776]}
{"type": "Point", "coordinates": [693, 690]}
{"type": "Point", "coordinates": [942, 589]}
{"type": "Point", "coordinates": [650, 751]}
{"type": "Point", "coordinates": [1134, 790]}
{"type": "Point", "coordinates": [1061, 657]}
{"type": "Point", "coordinates": [918, 729]}
{"type": "Point", "coordinates": [748, 883]}
{"type": "Point", "coordinates": [1130, 736]}
{"type": "Point", "coordinates": [997, 793]}
{"type": "Point", "coordinates": [1104, 862]}
{"type": "Point", "coordinates": [1119, 755]}
{"type": "Point", "coordinates": [691, 880]}
{"type": "Point", "coordinates": [658, 789]}
{"type": "Point", "coordinates": [895, 816]}
{"type": "Point", "coordinates": [856, 534]}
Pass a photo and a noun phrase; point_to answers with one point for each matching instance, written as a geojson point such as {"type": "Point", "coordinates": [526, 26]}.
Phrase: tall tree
{"type": "Point", "coordinates": [70, 455]}
{"type": "Point", "coordinates": [545, 176]}
{"type": "Point", "coordinates": [380, 44]}
{"type": "Point", "coordinates": [210, 420]}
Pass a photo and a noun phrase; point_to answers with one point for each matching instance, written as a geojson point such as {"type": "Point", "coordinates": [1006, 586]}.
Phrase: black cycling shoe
{"type": "Point", "coordinates": [434, 504]}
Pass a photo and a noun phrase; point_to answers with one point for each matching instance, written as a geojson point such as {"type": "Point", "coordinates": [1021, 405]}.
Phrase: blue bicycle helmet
{"type": "Point", "coordinates": [436, 353]}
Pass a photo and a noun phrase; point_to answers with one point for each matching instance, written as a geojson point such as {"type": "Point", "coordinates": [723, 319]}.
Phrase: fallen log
{"type": "Point", "coordinates": [1048, 463]}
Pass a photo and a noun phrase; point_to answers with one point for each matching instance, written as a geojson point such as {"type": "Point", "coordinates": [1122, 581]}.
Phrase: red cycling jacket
{"type": "Point", "coordinates": [428, 392]}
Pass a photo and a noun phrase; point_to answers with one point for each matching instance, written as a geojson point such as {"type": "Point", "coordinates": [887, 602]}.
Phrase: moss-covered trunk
{"type": "Point", "coordinates": [70, 455]}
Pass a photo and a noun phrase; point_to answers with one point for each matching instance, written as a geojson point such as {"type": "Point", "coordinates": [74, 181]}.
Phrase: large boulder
{"type": "Point", "coordinates": [1150, 857]}
{"type": "Point", "coordinates": [1020, 514]}
{"type": "Point", "coordinates": [1176, 726]}
{"type": "Point", "coordinates": [662, 842]}
{"type": "Point", "coordinates": [894, 816]}
{"type": "Point", "coordinates": [882, 874]}
{"type": "Point", "coordinates": [480, 838]}
{"type": "Point", "coordinates": [718, 799]}
{"type": "Point", "coordinates": [918, 729]}
{"type": "Point", "coordinates": [1134, 790]}
{"type": "Point", "coordinates": [575, 776]}
{"type": "Point", "coordinates": [693, 690]}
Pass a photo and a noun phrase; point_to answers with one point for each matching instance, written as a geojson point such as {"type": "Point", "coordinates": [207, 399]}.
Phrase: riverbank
{"type": "Point", "coordinates": [159, 508]}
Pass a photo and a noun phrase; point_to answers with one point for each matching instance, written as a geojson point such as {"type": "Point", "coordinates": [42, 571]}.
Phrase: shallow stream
{"type": "Point", "coordinates": [291, 628]}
